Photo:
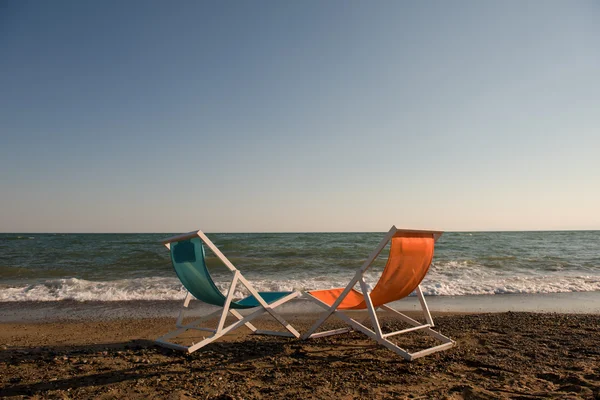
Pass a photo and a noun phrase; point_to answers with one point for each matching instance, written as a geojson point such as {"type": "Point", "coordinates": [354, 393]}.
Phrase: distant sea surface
{"type": "Point", "coordinates": [117, 267]}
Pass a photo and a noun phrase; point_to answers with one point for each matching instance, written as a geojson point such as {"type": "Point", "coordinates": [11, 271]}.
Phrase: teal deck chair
{"type": "Point", "coordinates": [188, 258]}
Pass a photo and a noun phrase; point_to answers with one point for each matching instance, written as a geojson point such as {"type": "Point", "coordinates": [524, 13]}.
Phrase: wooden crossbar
{"type": "Point", "coordinates": [414, 328]}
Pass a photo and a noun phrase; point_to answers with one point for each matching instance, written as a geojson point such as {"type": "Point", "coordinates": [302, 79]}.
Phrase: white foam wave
{"type": "Point", "coordinates": [83, 290]}
{"type": "Point", "coordinates": [155, 288]}
{"type": "Point", "coordinates": [461, 279]}
{"type": "Point", "coordinates": [441, 281]}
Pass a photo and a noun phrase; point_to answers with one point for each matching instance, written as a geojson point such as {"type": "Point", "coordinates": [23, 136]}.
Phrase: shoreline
{"type": "Point", "coordinates": [72, 310]}
{"type": "Point", "coordinates": [498, 356]}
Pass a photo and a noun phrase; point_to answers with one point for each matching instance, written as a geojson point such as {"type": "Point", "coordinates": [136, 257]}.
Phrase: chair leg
{"type": "Point", "coordinates": [239, 316]}
{"type": "Point", "coordinates": [279, 318]}
{"type": "Point", "coordinates": [223, 330]}
{"type": "Point", "coordinates": [381, 338]}
{"type": "Point", "coordinates": [216, 334]}
{"type": "Point", "coordinates": [424, 305]}
{"type": "Point", "coordinates": [310, 334]}
{"type": "Point", "coordinates": [186, 303]}
{"type": "Point", "coordinates": [269, 307]}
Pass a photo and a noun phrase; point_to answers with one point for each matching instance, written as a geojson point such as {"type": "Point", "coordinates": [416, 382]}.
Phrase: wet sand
{"type": "Point", "coordinates": [498, 356]}
{"type": "Point", "coordinates": [43, 311]}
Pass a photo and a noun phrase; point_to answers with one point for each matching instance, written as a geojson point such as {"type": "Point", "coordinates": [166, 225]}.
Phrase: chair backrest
{"type": "Point", "coordinates": [407, 264]}
{"type": "Point", "coordinates": [188, 258]}
{"type": "Point", "coordinates": [190, 265]}
{"type": "Point", "coordinates": [410, 256]}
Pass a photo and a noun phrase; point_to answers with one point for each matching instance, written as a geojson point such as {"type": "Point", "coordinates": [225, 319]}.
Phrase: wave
{"type": "Point", "coordinates": [516, 285]}
{"type": "Point", "coordinates": [466, 278]}
{"type": "Point", "coordinates": [21, 273]}
{"type": "Point", "coordinates": [17, 238]}
{"type": "Point", "coordinates": [161, 288]}
{"type": "Point", "coordinates": [83, 290]}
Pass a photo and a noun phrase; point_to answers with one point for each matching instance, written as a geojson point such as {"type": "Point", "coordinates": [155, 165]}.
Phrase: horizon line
{"type": "Point", "coordinates": [291, 232]}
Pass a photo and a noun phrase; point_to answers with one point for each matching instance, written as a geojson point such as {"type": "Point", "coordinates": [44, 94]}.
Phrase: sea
{"type": "Point", "coordinates": [488, 266]}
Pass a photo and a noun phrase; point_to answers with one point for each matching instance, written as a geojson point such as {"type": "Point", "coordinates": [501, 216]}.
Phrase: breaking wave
{"type": "Point", "coordinates": [160, 288]}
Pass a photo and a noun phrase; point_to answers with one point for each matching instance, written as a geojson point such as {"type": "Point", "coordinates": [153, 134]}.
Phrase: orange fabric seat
{"type": "Point", "coordinates": [408, 262]}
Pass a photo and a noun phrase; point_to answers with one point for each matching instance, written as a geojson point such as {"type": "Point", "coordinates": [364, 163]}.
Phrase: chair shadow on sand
{"type": "Point", "coordinates": [223, 356]}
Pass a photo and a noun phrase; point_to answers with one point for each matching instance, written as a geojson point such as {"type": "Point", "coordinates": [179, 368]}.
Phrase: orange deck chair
{"type": "Point", "coordinates": [411, 252]}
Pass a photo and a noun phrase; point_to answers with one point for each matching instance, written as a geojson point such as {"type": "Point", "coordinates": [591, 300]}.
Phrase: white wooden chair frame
{"type": "Point", "coordinates": [221, 329]}
{"type": "Point", "coordinates": [376, 333]}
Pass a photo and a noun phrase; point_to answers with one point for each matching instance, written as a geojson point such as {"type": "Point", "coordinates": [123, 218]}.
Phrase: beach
{"type": "Point", "coordinates": [357, 167]}
{"type": "Point", "coordinates": [506, 355]}
{"type": "Point", "coordinates": [78, 319]}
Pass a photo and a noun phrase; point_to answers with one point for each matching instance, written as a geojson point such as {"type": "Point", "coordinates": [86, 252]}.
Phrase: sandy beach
{"type": "Point", "coordinates": [372, 160]}
{"type": "Point", "coordinates": [498, 356]}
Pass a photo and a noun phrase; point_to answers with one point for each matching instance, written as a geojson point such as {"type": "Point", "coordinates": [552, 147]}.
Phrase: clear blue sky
{"type": "Point", "coordinates": [299, 116]}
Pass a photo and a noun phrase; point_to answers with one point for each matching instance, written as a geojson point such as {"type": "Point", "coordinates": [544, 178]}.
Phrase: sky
{"type": "Point", "coordinates": [284, 116]}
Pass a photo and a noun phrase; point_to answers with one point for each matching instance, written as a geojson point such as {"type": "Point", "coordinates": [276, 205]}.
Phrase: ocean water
{"type": "Point", "coordinates": [117, 267]}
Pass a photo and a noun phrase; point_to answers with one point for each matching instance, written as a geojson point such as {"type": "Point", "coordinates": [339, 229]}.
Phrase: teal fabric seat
{"type": "Point", "coordinates": [188, 259]}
